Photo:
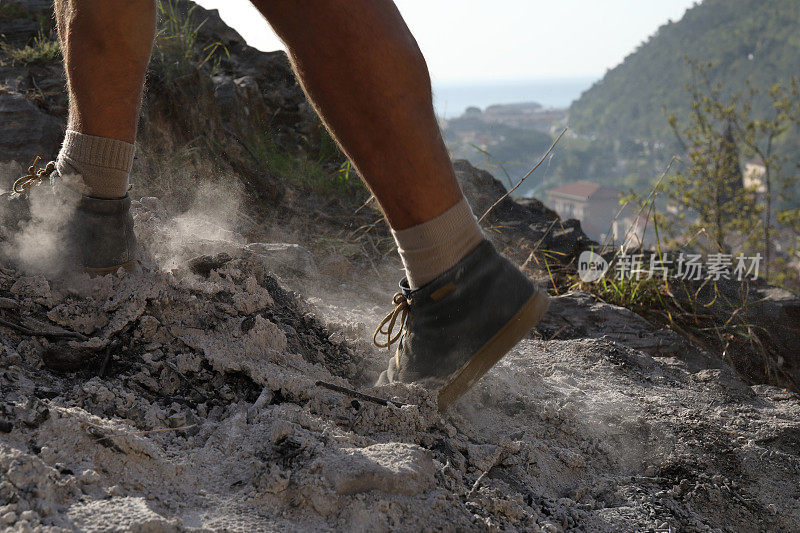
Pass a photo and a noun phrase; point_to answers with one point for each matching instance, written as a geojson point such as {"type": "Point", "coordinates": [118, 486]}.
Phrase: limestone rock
{"type": "Point", "coordinates": [26, 130]}
{"type": "Point", "coordinates": [518, 225]}
{"type": "Point", "coordinates": [395, 468]}
{"type": "Point", "coordinates": [35, 7]}
{"type": "Point", "coordinates": [18, 31]}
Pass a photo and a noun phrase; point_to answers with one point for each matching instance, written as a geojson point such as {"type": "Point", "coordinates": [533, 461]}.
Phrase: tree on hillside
{"type": "Point", "coordinates": [760, 138]}
{"type": "Point", "coordinates": [718, 131]}
{"type": "Point", "coordinates": [708, 193]}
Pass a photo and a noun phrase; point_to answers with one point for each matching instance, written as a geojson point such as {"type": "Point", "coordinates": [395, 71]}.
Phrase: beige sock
{"type": "Point", "coordinates": [433, 247]}
{"type": "Point", "coordinates": [95, 166]}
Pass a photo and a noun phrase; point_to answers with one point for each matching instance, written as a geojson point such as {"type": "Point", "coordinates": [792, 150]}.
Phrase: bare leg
{"type": "Point", "coordinates": [106, 46]}
{"type": "Point", "coordinates": [363, 71]}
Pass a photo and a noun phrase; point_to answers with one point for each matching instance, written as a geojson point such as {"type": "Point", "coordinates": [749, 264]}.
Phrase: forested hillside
{"type": "Point", "coordinates": [755, 41]}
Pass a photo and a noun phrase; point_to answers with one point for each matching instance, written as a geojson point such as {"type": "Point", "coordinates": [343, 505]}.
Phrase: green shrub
{"type": "Point", "coordinates": [44, 48]}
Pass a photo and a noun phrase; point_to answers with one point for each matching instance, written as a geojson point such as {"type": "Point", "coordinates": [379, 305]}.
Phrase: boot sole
{"type": "Point", "coordinates": [494, 350]}
{"type": "Point", "coordinates": [130, 266]}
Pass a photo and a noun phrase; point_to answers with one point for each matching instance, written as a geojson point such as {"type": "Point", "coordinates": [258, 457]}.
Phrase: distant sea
{"type": "Point", "coordinates": [451, 99]}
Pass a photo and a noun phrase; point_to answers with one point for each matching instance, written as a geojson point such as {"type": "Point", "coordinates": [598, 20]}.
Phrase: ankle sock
{"type": "Point", "coordinates": [95, 166]}
{"type": "Point", "coordinates": [433, 247]}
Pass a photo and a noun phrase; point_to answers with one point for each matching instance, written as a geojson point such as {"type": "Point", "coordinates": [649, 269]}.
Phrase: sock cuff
{"type": "Point", "coordinates": [433, 247]}
{"type": "Point", "coordinates": [102, 152]}
{"type": "Point", "coordinates": [436, 230]}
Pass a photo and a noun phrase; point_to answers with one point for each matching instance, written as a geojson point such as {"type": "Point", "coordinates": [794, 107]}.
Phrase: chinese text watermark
{"type": "Point", "coordinates": [684, 266]}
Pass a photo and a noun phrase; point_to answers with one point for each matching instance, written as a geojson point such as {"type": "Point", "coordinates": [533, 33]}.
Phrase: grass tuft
{"type": "Point", "coordinates": [42, 49]}
{"type": "Point", "coordinates": [342, 183]}
{"type": "Point", "coordinates": [178, 49]}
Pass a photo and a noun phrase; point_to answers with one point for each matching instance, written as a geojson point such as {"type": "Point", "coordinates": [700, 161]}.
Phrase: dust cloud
{"type": "Point", "coordinates": [35, 228]}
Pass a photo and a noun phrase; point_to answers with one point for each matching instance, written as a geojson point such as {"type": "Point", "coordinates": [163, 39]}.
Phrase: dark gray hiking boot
{"type": "Point", "coordinates": [95, 234]}
{"type": "Point", "coordinates": [101, 230]}
{"type": "Point", "coordinates": [455, 328]}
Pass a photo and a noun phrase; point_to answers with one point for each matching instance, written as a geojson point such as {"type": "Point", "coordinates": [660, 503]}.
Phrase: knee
{"type": "Point", "coordinates": [104, 26]}
{"type": "Point", "coordinates": [110, 14]}
{"type": "Point", "coordinates": [112, 9]}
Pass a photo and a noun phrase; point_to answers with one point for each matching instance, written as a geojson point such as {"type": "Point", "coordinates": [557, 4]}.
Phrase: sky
{"type": "Point", "coordinates": [487, 41]}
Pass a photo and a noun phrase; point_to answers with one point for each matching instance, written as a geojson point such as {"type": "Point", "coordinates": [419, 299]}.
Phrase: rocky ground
{"type": "Point", "coordinates": [184, 398]}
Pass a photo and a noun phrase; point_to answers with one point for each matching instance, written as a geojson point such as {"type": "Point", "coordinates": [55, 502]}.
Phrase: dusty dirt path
{"type": "Point", "coordinates": [193, 405]}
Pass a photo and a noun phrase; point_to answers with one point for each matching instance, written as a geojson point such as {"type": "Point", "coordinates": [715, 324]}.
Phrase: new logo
{"type": "Point", "coordinates": [591, 266]}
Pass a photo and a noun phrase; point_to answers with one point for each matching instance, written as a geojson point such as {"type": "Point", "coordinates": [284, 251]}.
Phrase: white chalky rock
{"type": "Point", "coordinates": [31, 287]}
{"type": "Point", "coordinates": [119, 514]}
{"type": "Point", "coordinates": [395, 468]}
{"type": "Point", "coordinates": [89, 477]}
{"type": "Point", "coordinates": [253, 298]}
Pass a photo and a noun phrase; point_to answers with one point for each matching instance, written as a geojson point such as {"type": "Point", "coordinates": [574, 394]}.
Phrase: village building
{"type": "Point", "coordinates": [595, 205]}
{"type": "Point", "coordinates": [753, 177]}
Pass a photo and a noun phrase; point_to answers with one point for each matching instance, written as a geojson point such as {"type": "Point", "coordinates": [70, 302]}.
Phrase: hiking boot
{"type": "Point", "coordinates": [455, 328]}
{"type": "Point", "coordinates": [101, 230]}
{"type": "Point", "coordinates": [96, 234]}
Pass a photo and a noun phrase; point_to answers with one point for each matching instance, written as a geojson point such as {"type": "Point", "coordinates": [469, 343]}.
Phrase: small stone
{"type": "Point", "coordinates": [34, 413]}
{"type": "Point", "coordinates": [8, 518]}
{"type": "Point", "coordinates": [32, 287]}
{"type": "Point", "coordinates": [148, 325]}
{"type": "Point", "coordinates": [483, 456]}
{"type": "Point", "coordinates": [177, 420]}
{"type": "Point", "coordinates": [62, 468]}
{"type": "Point", "coordinates": [151, 203]}
{"type": "Point", "coordinates": [394, 468]}
{"type": "Point", "coordinates": [253, 298]}
{"type": "Point", "coordinates": [6, 426]}
{"type": "Point", "coordinates": [66, 359]}
{"type": "Point", "coordinates": [203, 265]}
{"type": "Point", "coordinates": [263, 400]}
{"type": "Point", "coordinates": [89, 477]}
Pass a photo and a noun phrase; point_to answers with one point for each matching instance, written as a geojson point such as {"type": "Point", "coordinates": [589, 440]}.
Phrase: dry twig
{"type": "Point", "coordinates": [531, 171]}
{"type": "Point", "coordinates": [355, 394]}
{"type": "Point", "coordinates": [41, 333]}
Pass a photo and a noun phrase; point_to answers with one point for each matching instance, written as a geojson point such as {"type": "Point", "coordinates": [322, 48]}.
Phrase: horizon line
{"type": "Point", "coordinates": [485, 81]}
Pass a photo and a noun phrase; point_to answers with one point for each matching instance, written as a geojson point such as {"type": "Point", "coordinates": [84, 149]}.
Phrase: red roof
{"type": "Point", "coordinates": [584, 190]}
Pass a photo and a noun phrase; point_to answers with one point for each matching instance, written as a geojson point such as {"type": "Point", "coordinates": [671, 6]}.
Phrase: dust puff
{"type": "Point", "coordinates": [34, 228]}
{"type": "Point", "coordinates": [208, 225]}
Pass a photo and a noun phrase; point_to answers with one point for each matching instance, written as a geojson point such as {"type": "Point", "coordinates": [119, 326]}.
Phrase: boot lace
{"type": "Point", "coordinates": [386, 326]}
{"type": "Point", "coordinates": [34, 177]}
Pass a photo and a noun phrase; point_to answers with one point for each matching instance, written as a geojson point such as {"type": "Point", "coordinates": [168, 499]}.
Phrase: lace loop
{"type": "Point", "coordinates": [386, 326]}
{"type": "Point", "coordinates": [34, 177]}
